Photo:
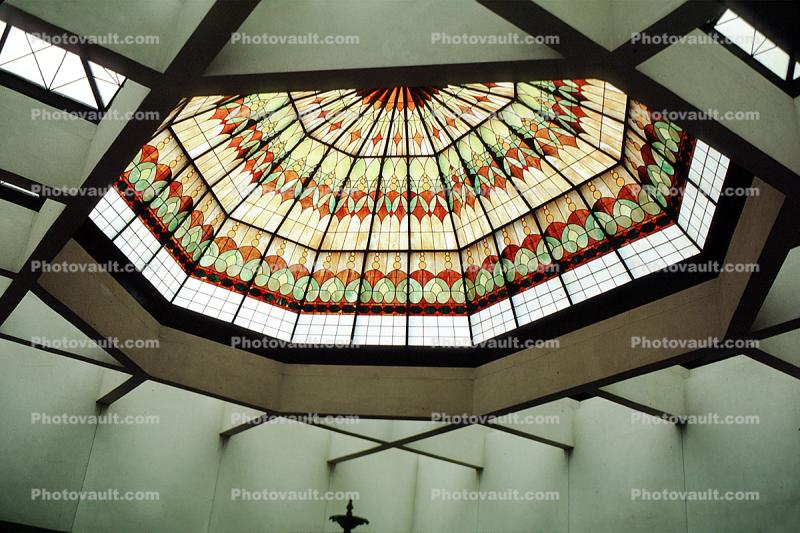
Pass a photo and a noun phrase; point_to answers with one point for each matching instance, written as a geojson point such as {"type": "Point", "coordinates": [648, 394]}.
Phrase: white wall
{"type": "Point", "coordinates": [781, 302]}
{"type": "Point", "coordinates": [195, 473]}
{"type": "Point", "coordinates": [409, 37]}
{"type": "Point", "coordinates": [614, 455]}
{"type": "Point", "coordinates": [529, 468]}
{"type": "Point", "coordinates": [762, 457]}
{"type": "Point", "coordinates": [275, 457]}
{"type": "Point", "coordinates": [177, 457]}
{"type": "Point", "coordinates": [42, 456]}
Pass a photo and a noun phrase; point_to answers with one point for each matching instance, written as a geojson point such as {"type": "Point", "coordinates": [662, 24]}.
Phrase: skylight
{"type": "Point", "coordinates": [56, 69]}
{"type": "Point", "coordinates": [409, 215]}
{"type": "Point", "coordinates": [756, 44]}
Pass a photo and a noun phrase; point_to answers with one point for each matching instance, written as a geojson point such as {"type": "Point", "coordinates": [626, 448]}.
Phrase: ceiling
{"type": "Point", "coordinates": [196, 57]}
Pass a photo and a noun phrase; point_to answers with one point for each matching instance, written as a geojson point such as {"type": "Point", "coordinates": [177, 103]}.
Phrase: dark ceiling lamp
{"type": "Point", "coordinates": [348, 522]}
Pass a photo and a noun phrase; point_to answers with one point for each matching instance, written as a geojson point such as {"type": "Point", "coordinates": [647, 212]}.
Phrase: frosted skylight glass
{"type": "Point", "coordinates": [56, 69]}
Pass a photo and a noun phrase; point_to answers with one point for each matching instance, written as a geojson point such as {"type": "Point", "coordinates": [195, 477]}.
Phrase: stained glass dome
{"type": "Point", "coordinates": [409, 215]}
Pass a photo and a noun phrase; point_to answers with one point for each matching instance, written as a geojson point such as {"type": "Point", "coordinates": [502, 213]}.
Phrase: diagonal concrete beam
{"type": "Point", "coordinates": [211, 35]}
{"type": "Point", "coordinates": [659, 393]}
{"type": "Point", "coordinates": [772, 361]}
{"type": "Point", "coordinates": [120, 390]}
{"type": "Point", "coordinates": [401, 444]}
{"type": "Point", "coordinates": [636, 406]}
{"type": "Point", "coordinates": [530, 436]}
{"type": "Point", "coordinates": [620, 68]}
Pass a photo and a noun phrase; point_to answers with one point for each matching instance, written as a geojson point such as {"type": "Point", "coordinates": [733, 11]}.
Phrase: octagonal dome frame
{"type": "Point", "coordinates": [126, 216]}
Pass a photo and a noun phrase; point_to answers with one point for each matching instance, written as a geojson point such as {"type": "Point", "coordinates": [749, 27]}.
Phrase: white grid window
{"type": "Point", "coordinates": [111, 214]}
{"type": "Point", "coordinates": [137, 243]}
{"type": "Point", "coordinates": [266, 318]}
{"type": "Point", "coordinates": [165, 274]}
{"type": "Point", "coordinates": [108, 82]}
{"type": "Point", "coordinates": [492, 321]}
{"type": "Point", "coordinates": [438, 331]}
{"type": "Point", "coordinates": [595, 277]}
{"type": "Point", "coordinates": [539, 301]}
{"type": "Point", "coordinates": [753, 42]}
{"type": "Point", "coordinates": [208, 299]}
{"type": "Point", "coordinates": [324, 329]}
{"type": "Point", "coordinates": [708, 170]}
{"type": "Point", "coordinates": [56, 69]}
{"type": "Point", "coordinates": [657, 251]}
{"type": "Point", "coordinates": [380, 329]}
{"type": "Point", "coordinates": [696, 214]}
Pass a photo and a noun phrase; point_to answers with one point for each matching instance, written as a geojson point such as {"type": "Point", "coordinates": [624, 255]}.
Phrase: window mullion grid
{"type": "Point", "coordinates": [575, 187]}
{"type": "Point", "coordinates": [406, 98]}
{"type": "Point", "coordinates": [210, 186]}
{"type": "Point", "coordinates": [4, 36]}
{"type": "Point", "coordinates": [531, 210]}
{"type": "Point", "coordinates": [515, 98]}
{"type": "Point", "coordinates": [226, 100]}
{"type": "Point", "coordinates": [672, 213]}
{"type": "Point", "coordinates": [236, 131]}
{"type": "Point", "coordinates": [350, 92]}
{"type": "Point", "coordinates": [479, 195]}
{"type": "Point", "coordinates": [175, 112]}
{"type": "Point", "coordinates": [209, 190]}
{"type": "Point", "coordinates": [274, 234]}
{"type": "Point", "coordinates": [558, 262]}
{"type": "Point", "coordinates": [135, 215]}
{"type": "Point", "coordinates": [144, 206]}
{"type": "Point", "coordinates": [92, 83]}
{"type": "Point", "coordinates": [577, 102]}
{"type": "Point", "coordinates": [610, 239]}
{"type": "Point", "coordinates": [628, 131]}
{"type": "Point", "coordinates": [295, 201]}
{"type": "Point", "coordinates": [538, 113]}
{"type": "Point", "coordinates": [530, 207]}
{"type": "Point", "coordinates": [374, 207]}
{"type": "Point", "coordinates": [449, 196]}
{"type": "Point", "coordinates": [323, 123]}
{"type": "Point", "coordinates": [599, 146]}
{"type": "Point", "coordinates": [336, 198]}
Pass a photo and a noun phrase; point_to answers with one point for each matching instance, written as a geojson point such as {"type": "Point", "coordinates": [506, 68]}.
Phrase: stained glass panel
{"type": "Point", "coordinates": [410, 215]}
